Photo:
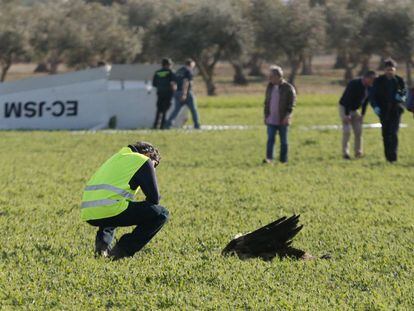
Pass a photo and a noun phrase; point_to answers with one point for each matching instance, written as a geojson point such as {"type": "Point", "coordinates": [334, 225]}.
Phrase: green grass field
{"type": "Point", "coordinates": [213, 183]}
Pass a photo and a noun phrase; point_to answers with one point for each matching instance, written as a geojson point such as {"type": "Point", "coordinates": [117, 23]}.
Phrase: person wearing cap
{"type": "Point", "coordinates": [355, 96]}
{"type": "Point", "coordinates": [279, 103]}
{"type": "Point", "coordinates": [164, 81]}
{"type": "Point", "coordinates": [388, 97]}
{"type": "Point", "coordinates": [109, 201]}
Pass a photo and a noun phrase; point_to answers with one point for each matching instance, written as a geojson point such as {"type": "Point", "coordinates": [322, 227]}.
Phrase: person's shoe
{"type": "Point", "coordinates": [359, 155]}
{"type": "Point", "coordinates": [102, 249]}
{"type": "Point", "coordinates": [346, 157]}
{"type": "Point", "coordinates": [117, 253]}
{"type": "Point", "coordinates": [267, 161]}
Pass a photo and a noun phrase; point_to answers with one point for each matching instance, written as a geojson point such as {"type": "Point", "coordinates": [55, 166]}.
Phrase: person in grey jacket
{"type": "Point", "coordinates": [278, 108]}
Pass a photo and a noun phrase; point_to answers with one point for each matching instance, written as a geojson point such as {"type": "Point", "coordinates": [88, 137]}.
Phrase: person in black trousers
{"type": "Point", "coordinates": [148, 216]}
{"type": "Point", "coordinates": [387, 98]}
{"type": "Point", "coordinates": [164, 81]}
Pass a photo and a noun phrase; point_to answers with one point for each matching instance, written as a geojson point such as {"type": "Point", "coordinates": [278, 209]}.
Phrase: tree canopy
{"type": "Point", "coordinates": [81, 33]}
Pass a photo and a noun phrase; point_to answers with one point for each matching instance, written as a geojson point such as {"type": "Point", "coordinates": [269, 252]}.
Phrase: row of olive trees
{"type": "Point", "coordinates": [245, 33]}
{"type": "Point", "coordinates": [70, 32]}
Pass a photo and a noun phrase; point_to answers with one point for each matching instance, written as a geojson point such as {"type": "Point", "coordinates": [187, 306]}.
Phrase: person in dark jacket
{"type": "Point", "coordinates": [278, 108]}
{"type": "Point", "coordinates": [354, 97]}
{"type": "Point", "coordinates": [387, 98]}
{"type": "Point", "coordinates": [126, 172]}
{"type": "Point", "coordinates": [164, 81]}
{"type": "Point", "coordinates": [184, 95]}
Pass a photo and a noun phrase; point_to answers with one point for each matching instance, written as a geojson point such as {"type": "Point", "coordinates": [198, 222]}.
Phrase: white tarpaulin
{"type": "Point", "coordinates": [86, 99]}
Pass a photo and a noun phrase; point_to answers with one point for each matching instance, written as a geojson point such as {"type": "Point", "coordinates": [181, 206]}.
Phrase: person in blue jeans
{"type": "Point", "coordinates": [278, 108]}
{"type": "Point", "coordinates": [184, 94]}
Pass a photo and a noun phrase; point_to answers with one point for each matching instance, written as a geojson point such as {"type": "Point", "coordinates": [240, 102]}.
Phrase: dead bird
{"type": "Point", "coordinates": [272, 240]}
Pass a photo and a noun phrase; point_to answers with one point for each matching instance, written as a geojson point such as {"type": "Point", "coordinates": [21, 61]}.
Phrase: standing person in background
{"type": "Point", "coordinates": [184, 94]}
{"type": "Point", "coordinates": [278, 107]}
{"type": "Point", "coordinates": [355, 96]}
{"type": "Point", "coordinates": [387, 98]}
{"type": "Point", "coordinates": [164, 81]}
{"type": "Point", "coordinates": [410, 101]}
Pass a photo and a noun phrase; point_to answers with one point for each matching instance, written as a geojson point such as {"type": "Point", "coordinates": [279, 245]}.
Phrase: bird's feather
{"type": "Point", "coordinates": [268, 241]}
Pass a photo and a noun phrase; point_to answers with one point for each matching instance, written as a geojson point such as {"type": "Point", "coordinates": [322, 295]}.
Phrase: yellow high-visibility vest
{"type": "Point", "coordinates": [108, 192]}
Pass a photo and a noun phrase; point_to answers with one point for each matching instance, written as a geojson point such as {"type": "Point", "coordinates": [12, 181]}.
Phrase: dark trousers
{"type": "Point", "coordinates": [163, 104]}
{"type": "Point", "coordinates": [191, 104]}
{"type": "Point", "coordinates": [390, 126]}
{"type": "Point", "coordinates": [271, 138]}
{"type": "Point", "coordinates": [148, 218]}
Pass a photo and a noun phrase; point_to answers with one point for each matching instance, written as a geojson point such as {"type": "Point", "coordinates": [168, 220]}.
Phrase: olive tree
{"type": "Point", "coordinates": [289, 28]}
{"type": "Point", "coordinates": [103, 34]}
{"type": "Point", "coordinates": [206, 31]}
{"type": "Point", "coordinates": [345, 22]}
{"type": "Point", "coordinates": [13, 38]}
{"type": "Point", "coordinates": [52, 34]}
{"type": "Point", "coordinates": [390, 31]}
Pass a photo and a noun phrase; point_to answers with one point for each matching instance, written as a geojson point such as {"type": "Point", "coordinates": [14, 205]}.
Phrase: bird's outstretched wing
{"type": "Point", "coordinates": [268, 241]}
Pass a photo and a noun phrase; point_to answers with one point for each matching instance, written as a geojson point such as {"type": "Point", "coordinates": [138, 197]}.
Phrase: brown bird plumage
{"type": "Point", "coordinates": [269, 241]}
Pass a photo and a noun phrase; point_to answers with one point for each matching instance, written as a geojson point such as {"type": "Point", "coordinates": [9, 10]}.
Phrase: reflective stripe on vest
{"type": "Point", "coordinates": [105, 202]}
{"type": "Point", "coordinates": [117, 190]}
{"type": "Point", "coordinates": [108, 192]}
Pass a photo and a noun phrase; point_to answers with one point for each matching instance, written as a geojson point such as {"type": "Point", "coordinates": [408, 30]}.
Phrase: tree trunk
{"type": "Point", "coordinates": [53, 67]}
{"type": "Point", "coordinates": [364, 65]}
{"type": "Point", "coordinates": [255, 65]}
{"type": "Point", "coordinates": [239, 78]}
{"type": "Point", "coordinates": [294, 67]}
{"type": "Point", "coordinates": [408, 64]}
{"type": "Point", "coordinates": [41, 68]}
{"type": "Point", "coordinates": [206, 73]}
{"type": "Point", "coordinates": [381, 63]}
{"type": "Point", "coordinates": [349, 74]}
{"type": "Point", "coordinates": [307, 69]}
{"type": "Point", "coordinates": [340, 62]}
{"type": "Point", "coordinates": [4, 69]}
{"type": "Point", "coordinates": [211, 87]}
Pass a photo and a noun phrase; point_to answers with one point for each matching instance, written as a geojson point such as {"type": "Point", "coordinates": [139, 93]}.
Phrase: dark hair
{"type": "Point", "coordinates": [389, 62]}
{"type": "Point", "coordinates": [148, 150]}
{"type": "Point", "coordinates": [188, 61]}
{"type": "Point", "coordinates": [370, 74]}
{"type": "Point", "coordinates": [166, 62]}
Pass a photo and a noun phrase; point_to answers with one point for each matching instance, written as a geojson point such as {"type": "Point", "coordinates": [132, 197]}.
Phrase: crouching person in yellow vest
{"type": "Point", "coordinates": [109, 201]}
